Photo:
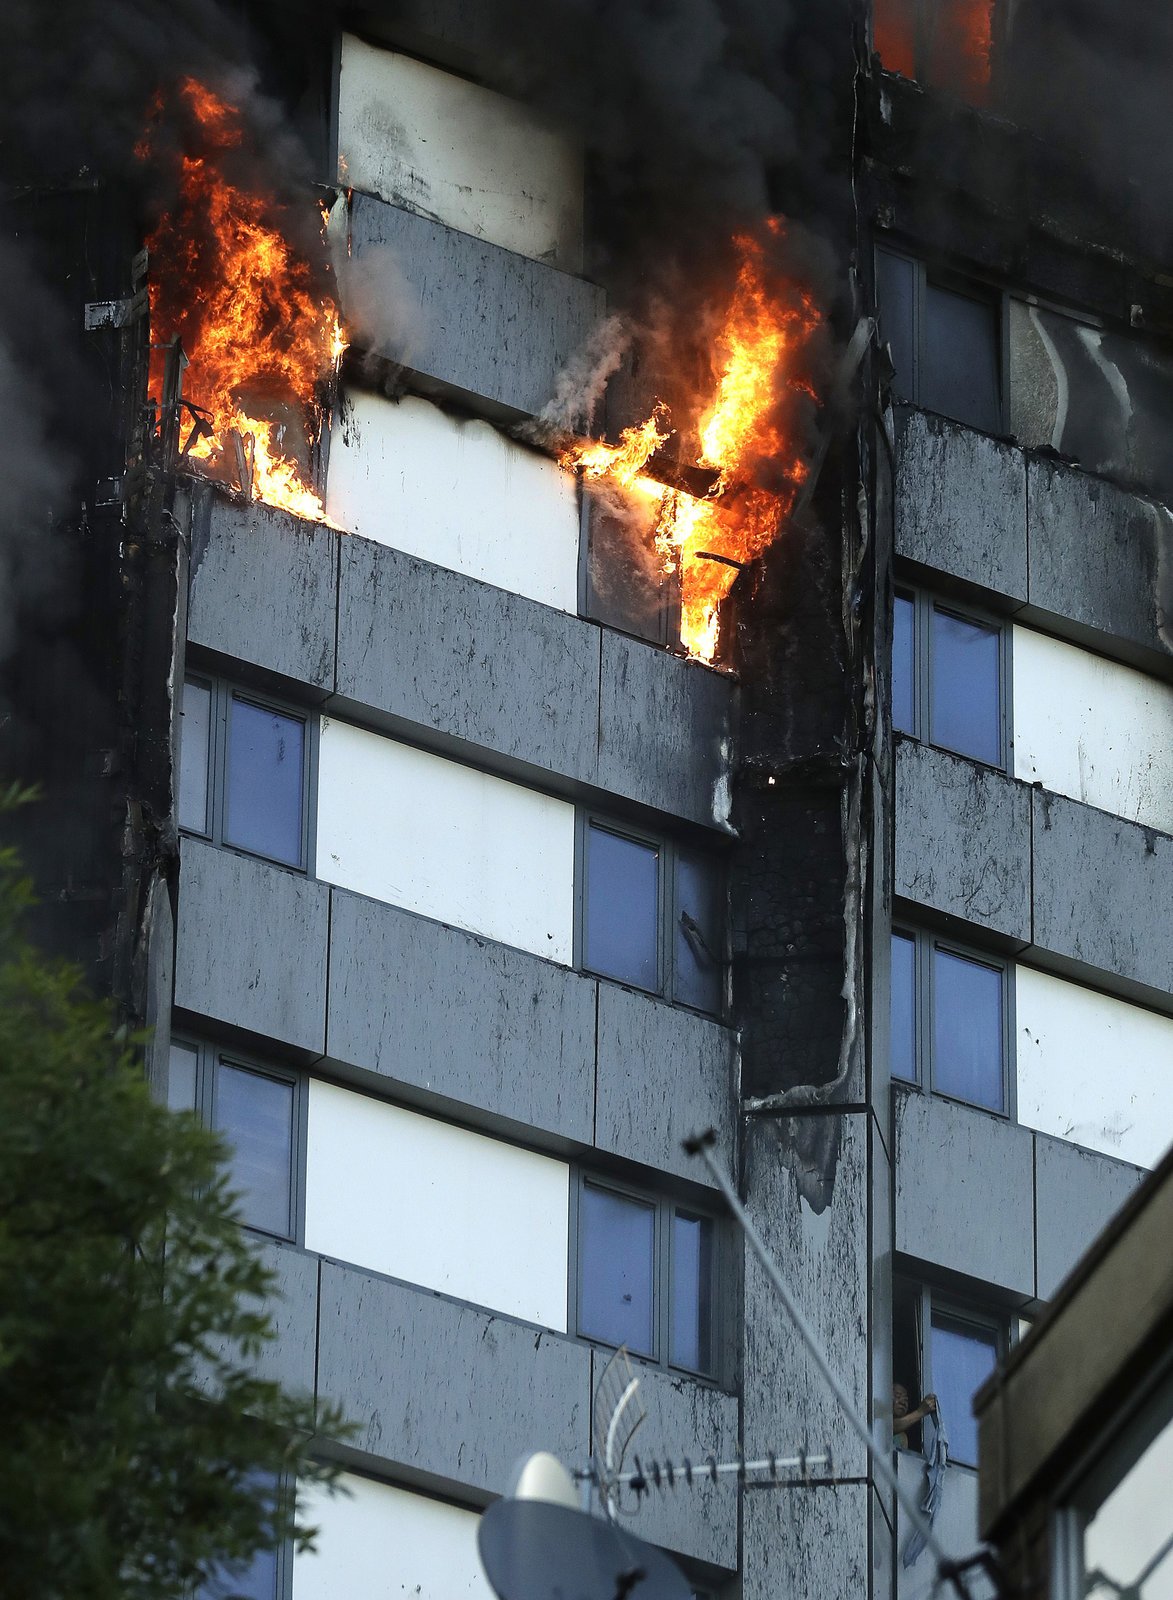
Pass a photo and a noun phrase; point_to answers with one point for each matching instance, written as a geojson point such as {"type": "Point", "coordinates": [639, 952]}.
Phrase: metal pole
{"type": "Point", "coordinates": [702, 1145]}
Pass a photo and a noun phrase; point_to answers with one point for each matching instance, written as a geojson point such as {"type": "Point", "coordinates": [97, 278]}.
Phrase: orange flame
{"type": "Point", "coordinates": [261, 337]}
{"type": "Point", "coordinates": [756, 367]}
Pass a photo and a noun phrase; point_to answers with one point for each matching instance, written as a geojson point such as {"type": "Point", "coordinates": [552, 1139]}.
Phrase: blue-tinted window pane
{"type": "Point", "coordinates": [181, 1077]}
{"type": "Point", "coordinates": [256, 1579]}
{"type": "Point", "coordinates": [617, 1239]}
{"type": "Point", "coordinates": [194, 737]}
{"type": "Point", "coordinates": [966, 675]}
{"type": "Point", "coordinates": [903, 1038]}
{"type": "Point", "coordinates": [697, 978]}
{"type": "Point", "coordinates": [896, 298]}
{"type": "Point", "coordinates": [255, 1114]}
{"type": "Point", "coordinates": [263, 791]}
{"type": "Point", "coordinates": [903, 666]}
{"type": "Point", "coordinates": [959, 358]}
{"type": "Point", "coordinates": [967, 1030]}
{"type": "Point", "coordinates": [962, 1359]}
{"type": "Point", "coordinates": [622, 908]}
{"type": "Point", "coordinates": [692, 1291]}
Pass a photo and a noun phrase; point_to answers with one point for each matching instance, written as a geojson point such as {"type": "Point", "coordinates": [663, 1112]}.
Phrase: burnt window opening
{"type": "Point", "coordinates": [244, 772]}
{"type": "Point", "coordinates": [652, 914]}
{"type": "Point", "coordinates": [946, 336]}
{"type": "Point", "coordinates": [947, 1348]}
{"type": "Point", "coordinates": [942, 44]}
{"type": "Point", "coordinates": [950, 677]}
{"type": "Point", "coordinates": [951, 1015]}
{"type": "Point", "coordinates": [622, 582]}
{"type": "Point", "coordinates": [258, 1111]}
{"type": "Point", "coordinates": [646, 1274]}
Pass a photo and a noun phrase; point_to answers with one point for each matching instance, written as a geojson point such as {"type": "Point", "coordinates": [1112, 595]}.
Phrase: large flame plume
{"type": "Point", "coordinates": [707, 538]}
{"type": "Point", "coordinates": [262, 336]}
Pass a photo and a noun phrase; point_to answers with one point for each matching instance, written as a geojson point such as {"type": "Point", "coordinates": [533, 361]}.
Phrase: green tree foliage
{"type": "Point", "coordinates": [137, 1440]}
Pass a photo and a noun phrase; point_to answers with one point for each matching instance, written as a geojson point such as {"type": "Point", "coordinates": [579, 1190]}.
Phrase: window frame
{"type": "Point", "coordinates": [283, 1574]}
{"type": "Point", "coordinates": [224, 693]}
{"type": "Point", "coordinates": [666, 1207]}
{"type": "Point", "coordinates": [929, 1301]}
{"type": "Point", "coordinates": [662, 628]}
{"type": "Point", "coordinates": [668, 908]}
{"type": "Point", "coordinates": [925, 603]}
{"type": "Point", "coordinates": [209, 1058]}
{"type": "Point", "coordinates": [926, 942]}
{"type": "Point", "coordinates": [958, 282]}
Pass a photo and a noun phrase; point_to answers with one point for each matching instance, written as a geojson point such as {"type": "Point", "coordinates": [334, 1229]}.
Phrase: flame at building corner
{"type": "Point", "coordinates": [746, 435]}
{"type": "Point", "coordinates": [257, 323]}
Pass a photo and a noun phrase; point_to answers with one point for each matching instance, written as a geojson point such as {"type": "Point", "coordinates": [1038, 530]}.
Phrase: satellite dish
{"type": "Point", "coordinates": [535, 1550]}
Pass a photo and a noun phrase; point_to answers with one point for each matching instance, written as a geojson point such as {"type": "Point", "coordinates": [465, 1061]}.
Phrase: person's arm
{"type": "Point", "coordinates": [905, 1424]}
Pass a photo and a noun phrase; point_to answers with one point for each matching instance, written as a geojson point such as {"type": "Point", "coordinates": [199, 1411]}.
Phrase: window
{"type": "Point", "coordinates": [262, 1578]}
{"type": "Point", "coordinates": [946, 341]}
{"type": "Point", "coordinates": [947, 44]}
{"type": "Point", "coordinates": [950, 1019]}
{"type": "Point", "coordinates": [622, 581]}
{"type": "Point", "coordinates": [647, 1275]}
{"type": "Point", "coordinates": [258, 1111]}
{"type": "Point", "coordinates": [943, 1348]}
{"type": "Point", "coordinates": [244, 772]}
{"type": "Point", "coordinates": [949, 669]}
{"type": "Point", "coordinates": [653, 915]}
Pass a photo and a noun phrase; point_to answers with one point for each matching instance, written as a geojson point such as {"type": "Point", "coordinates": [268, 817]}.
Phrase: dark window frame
{"type": "Point", "coordinates": [955, 282]}
{"type": "Point", "coordinates": [209, 1058]}
{"type": "Point", "coordinates": [925, 943]}
{"type": "Point", "coordinates": [661, 625]}
{"type": "Point", "coordinates": [666, 1208]}
{"type": "Point", "coordinates": [925, 602]}
{"type": "Point", "coordinates": [225, 693]}
{"type": "Point", "coordinates": [929, 1302]}
{"type": "Point", "coordinates": [668, 908]}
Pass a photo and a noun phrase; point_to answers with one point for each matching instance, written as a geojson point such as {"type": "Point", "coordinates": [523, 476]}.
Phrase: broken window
{"type": "Point", "coordinates": [945, 336]}
{"type": "Point", "coordinates": [256, 1110]}
{"type": "Point", "coordinates": [943, 44]}
{"type": "Point", "coordinates": [948, 677]}
{"type": "Point", "coordinates": [647, 1275]}
{"type": "Point", "coordinates": [653, 915]}
{"type": "Point", "coordinates": [244, 772]}
{"type": "Point", "coordinates": [950, 1024]}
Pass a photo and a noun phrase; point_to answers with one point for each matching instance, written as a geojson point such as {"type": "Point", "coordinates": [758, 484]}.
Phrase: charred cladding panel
{"type": "Point", "coordinates": [473, 319]}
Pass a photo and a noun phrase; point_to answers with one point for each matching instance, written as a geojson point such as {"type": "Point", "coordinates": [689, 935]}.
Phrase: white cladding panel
{"type": "Point", "coordinates": [459, 154]}
{"type": "Point", "coordinates": [456, 492]}
{"type": "Point", "coordinates": [1093, 1069]}
{"type": "Point", "coordinates": [437, 1205]}
{"type": "Point", "coordinates": [1093, 730]}
{"type": "Point", "coordinates": [380, 1543]}
{"type": "Point", "coordinates": [418, 831]}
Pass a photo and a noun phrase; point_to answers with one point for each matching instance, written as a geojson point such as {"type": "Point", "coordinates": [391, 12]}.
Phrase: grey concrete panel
{"type": "Point", "coordinates": [1077, 1192]}
{"type": "Point", "coordinates": [1093, 554]}
{"type": "Point", "coordinates": [290, 1358]}
{"type": "Point", "coordinates": [880, 1342]}
{"type": "Point", "coordinates": [826, 1257]}
{"type": "Point", "coordinates": [251, 946]}
{"type": "Point", "coordinates": [483, 322]}
{"type": "Point", "coordinates": [455, 1015]}
{"type": "Point", "coordinates": [1103, 891]}
{"type": "Point", "coordinates": [663, 1074]}
{"type": "Point", "coordinates": [445, 1390]}
{"type": "Point", "coordinates": [963, 840]}
{"type": "Point", "coordinates": [665, 726]}
{"type": "Point", "coordinates": [807, 1541]}
{"type": "Point", "coordinates": [964, 1190]}
{"type": "Point", "coordinates": [263, 591]}
{"type": "Point", "coordinates": [443, 651]}
{"type": "Point", "coordinates": [961, 504]}
{"type": "Point", "coordinates": [690, 1419]}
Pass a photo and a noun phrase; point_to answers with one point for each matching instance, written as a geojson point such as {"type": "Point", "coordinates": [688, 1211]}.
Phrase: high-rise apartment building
{"type": "Point", "coordinates": [469, 896]}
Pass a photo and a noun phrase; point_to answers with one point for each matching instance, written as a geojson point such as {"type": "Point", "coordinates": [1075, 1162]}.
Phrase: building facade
{"type": "Point", "coordinates": [469, 897]}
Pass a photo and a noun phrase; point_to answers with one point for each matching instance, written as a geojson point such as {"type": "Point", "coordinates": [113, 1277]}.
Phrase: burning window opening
{"type": "Point", "coordinates": [946, 44]}
{"type": "Point", "coordinates": [259, 330]}
{"type": "Point", "coordinates": [709, 518]}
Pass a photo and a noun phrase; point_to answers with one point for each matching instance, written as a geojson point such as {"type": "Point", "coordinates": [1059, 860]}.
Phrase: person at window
{"type": "Point", "coordinates": [904, 1419]}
